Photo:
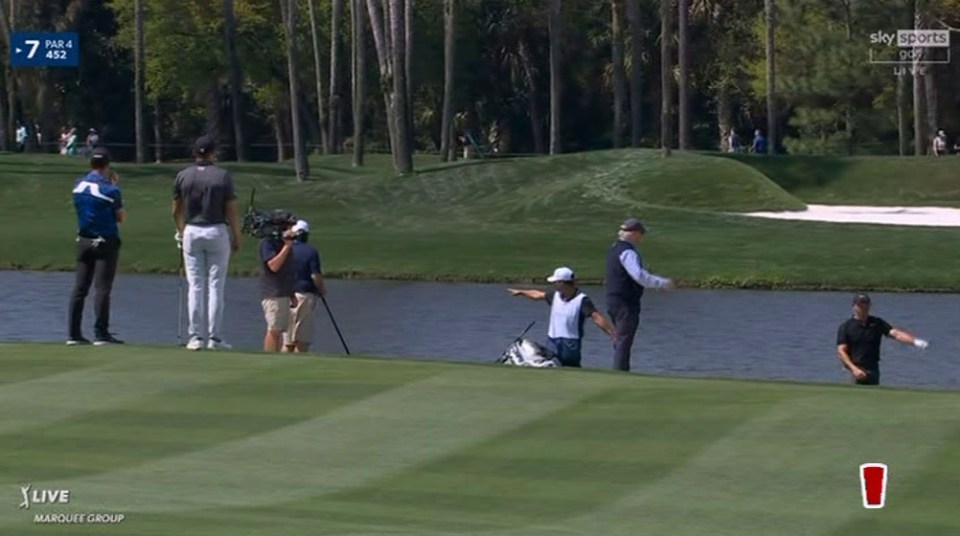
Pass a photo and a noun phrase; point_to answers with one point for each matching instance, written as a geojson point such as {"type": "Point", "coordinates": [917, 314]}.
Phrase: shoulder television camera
{"type": "Point", "coordinates": [266, 224]}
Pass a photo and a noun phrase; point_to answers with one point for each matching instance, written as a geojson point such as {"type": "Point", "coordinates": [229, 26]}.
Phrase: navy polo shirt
{"type": "Point", "coordinates": [306, 259]}
{"type": "Point", "coordinates": [97, 201]}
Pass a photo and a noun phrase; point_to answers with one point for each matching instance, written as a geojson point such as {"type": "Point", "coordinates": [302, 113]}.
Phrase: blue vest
{"type": "Point", "coordinates": [97, 201]}
{"type": "Point", "coordinates": [621, 288]}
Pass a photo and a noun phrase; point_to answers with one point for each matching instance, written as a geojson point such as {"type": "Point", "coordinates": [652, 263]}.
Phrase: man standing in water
{"type": "Point", "coordinates": [859, 338]}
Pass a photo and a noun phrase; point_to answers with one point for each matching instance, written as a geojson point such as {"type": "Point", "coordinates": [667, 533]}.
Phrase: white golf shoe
{"type": "Point", "coordinates": [217, 344]}
{"type": "Point", "coordinates": [196, 343]}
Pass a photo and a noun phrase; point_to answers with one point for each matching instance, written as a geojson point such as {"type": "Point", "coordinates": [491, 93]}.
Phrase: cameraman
{"type": "Point", "coordinates": [277, 279]}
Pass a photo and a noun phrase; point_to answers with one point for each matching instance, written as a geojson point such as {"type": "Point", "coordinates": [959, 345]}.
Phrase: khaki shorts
{"type": "Point", "coordinates": [301, 320]}
{"type": "Point", "coordinates": [276, 311]}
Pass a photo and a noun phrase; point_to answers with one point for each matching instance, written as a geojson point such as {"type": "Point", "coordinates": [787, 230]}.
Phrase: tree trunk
{"type": "Point", "coordinates": [384, 62]}
{"type": "Point", "coordinates": [7, 25]}
{"type": "Point", "coordinates": [336, 15]}
{"type": "Point", "coordinates": [724, 114]}
{"type": "Point", "coordinates": [449, 41]}
{"type": "Point", "coordinates": [619, 77]}
{"type": "Point", "coordinates": [301, 164]}
{"type": "Point", "coordinates": [236, 80]}
{"type": "Point", "coordinates": [901, 113]}
{"type": "Point", "coordinates": [278, 134]}
{"type": "Point", "coordinates": [771, 25]}
{"type": "Point", "coordinates": [212, 112]}
{"type": "Point", "coordinates": [636, 74]}
{"type": "Point", "coordinates": [683, 10]}
{"type": "Point", "coordinates": [556, 42]}
{"type": "Point", "coordinates": [408, 67]}
{"type": "Point", "coordinates": [157, 132]}
{"type": "Point", "coordinates": [666, 76]}
{"type": "Point", "coordinates": [318, 72]}
{"type": "Point", "coordinates": [919, 139]}
{"type": "Point", "coordinates": [403, 148]}
{"type": "Point", "coordinates": [931, 104]}
{"type": "Point", "coordinates": [359, 77]}
{"type": "Point", "coordinates": [138, 81]}
{"type": "Point", "coordinates": [536, 115]}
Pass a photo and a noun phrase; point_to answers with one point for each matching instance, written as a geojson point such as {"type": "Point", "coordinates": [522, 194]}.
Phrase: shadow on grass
{"type": "Point", "coordinates": [796, 172]}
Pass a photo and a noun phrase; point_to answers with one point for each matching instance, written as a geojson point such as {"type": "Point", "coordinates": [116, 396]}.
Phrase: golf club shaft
{"type": "Point", "coordinates": [334, 321]}
{"type": "Point", "coordinates": [526, 330]}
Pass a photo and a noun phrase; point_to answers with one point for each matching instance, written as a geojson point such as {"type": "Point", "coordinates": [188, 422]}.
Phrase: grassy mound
{"type": "Point", "coordinates": [242, 443]}
{"type": "Point", "coordinates": [864, 180]}
{"type": "Point", "coordinates": [500, 220]}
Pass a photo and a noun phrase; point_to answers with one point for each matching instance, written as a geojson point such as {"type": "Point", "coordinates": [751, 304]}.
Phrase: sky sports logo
{"type": "Point", "coordinates": [912, 38]}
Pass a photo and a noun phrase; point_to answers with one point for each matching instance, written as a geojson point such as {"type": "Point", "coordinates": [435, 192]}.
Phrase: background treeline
{"type": "Point", "coordinates": [277, 79]}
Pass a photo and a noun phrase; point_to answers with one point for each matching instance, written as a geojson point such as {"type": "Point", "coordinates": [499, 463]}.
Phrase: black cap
{"type": "Point", "coordinates": [861, 298]}
{"type": "Point", "coordinates": [204, 145]}
{"type": "Point", "coordinates": [633, 224]}
{"type": "Point", "coordinates": [99, 156]}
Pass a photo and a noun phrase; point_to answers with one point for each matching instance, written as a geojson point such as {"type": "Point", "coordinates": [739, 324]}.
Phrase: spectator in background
{"type": "Point", "coordinates": [92, 139]}
{"type": "Point", "coordinates": [64, 134]}
{"type": "Point", "coordinates": [21, 137]}
{"type": "Point", "coordinates": [39, 133]}
{"type": "Point", "coordinates": [72, 142]}
{"type": "Point", "coordinates": [759, 142]}
{"type": "Point", "coordinates": [733, 142]}
{"type": "Point", "coordinates": [940, 144]}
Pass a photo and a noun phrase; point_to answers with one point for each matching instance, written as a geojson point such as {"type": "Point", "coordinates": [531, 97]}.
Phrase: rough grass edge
{"type": "Point", "coordinates": [705, 283]}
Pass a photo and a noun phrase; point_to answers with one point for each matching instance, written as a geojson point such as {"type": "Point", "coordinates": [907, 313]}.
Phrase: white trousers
{"type": "Point", "coordinates": [206, 256]}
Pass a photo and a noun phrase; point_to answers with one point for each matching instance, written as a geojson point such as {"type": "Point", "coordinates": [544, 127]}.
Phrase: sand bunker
{"type": "Point", "coordinates": [929, 216]}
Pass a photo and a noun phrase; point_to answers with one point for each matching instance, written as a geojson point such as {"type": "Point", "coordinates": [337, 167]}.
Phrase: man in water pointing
{"type": "Point", "coordinates": [859, 338]}
{"type": "Point", "coordinates": [569, 308]}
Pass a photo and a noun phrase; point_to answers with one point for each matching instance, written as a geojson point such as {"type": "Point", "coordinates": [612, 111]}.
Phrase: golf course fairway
{"type": "Point", "coordinates": [516, 219]}
{"type": "Point", "coordinates": [252, 444]}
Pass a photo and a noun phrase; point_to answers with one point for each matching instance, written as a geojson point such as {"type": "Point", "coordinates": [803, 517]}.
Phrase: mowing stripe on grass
{"type": "Point", "coordinates": [790, 471]}
{"type": "Point", "coordinates": [346, 448]}
{"type": "Point", "coordinates": [57, 397]}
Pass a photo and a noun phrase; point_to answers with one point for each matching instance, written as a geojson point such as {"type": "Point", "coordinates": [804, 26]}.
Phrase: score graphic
{"type": "Point", "coordinates": [44, 49]}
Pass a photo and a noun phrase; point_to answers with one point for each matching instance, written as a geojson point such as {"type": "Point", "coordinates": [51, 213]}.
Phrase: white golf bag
{"type": "Point", "coordinates": [526, 353]}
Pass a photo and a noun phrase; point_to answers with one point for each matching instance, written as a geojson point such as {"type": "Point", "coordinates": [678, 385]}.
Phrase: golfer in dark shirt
{"type": "Point", "coordinates": [308, 287]}
{"type": "Point", "coordinates": [859, 338]}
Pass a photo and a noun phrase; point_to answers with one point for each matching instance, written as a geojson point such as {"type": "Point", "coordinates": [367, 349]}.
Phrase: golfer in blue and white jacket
{"type": "Point", "coordinates": [569, 308]}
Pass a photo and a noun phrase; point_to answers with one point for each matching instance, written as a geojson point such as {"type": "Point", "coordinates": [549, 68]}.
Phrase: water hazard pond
{"type": "Point", "coordinates": [730, 333]}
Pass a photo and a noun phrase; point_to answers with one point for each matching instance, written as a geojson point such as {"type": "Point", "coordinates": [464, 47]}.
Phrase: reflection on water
{"type": "Point", "coordinates": [743, 334]}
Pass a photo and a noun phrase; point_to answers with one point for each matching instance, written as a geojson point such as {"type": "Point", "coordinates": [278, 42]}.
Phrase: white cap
{"type": "Point", "coordinates": [561, 274]}
{"type": "Point", "coordinates": [300, 227]}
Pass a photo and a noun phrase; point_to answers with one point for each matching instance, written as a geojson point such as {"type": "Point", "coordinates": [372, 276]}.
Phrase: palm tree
{"type": "Point", "coordinates": [288, 10]}
{"type": "Point", "coordinates": [636, 52]}
{"type": "Point", "coordinates": [449, 42]}
{"type": "Point", "coordinates": [359, 78]}
{"type": "Point", "coordinates": [403, 155]}
{"type": "Point", "coordinates": [556, 43]}
{"type": "Point", "coordinates": [335, 114]}
{"type": "Point", "coordinates": [408, 63]}
{"type": "Point", "coordinates": [384, 63]}
{"type": "Point", "coordinates": [666, 75]}
{"type": "Point", "coordinates": [318, 72]}
{"type": "Point", "coordinates": [683, 10]}
{"type": "Point", "coordinates": [619, 77]}
{"type": "Point", "coordinates": [236, 78]}
{"type": "Point", "coordinates": [770, 15]}
{"type": "Point", "coordinates": [138, 80]}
